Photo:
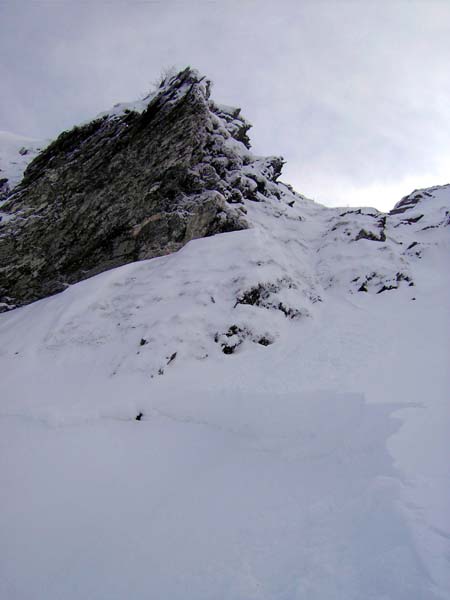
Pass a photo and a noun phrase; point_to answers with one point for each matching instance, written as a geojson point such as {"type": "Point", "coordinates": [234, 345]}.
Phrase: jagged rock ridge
{"type": "Point", "coordinates": [143, 179]}
{"type": "Point", "coordinates": [127, 186]}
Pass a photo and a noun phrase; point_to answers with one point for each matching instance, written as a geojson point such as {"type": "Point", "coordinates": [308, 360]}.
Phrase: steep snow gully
{"type": "Point", "coordinates": [261, 415]}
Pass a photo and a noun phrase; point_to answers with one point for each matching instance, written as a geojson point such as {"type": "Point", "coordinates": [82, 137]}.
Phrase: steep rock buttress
{"type": "Point", "coordinates": [135, 183]}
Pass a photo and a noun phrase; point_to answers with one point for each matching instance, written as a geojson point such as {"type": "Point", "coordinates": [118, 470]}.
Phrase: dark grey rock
{"type": "Point", "coordinates": [4, 187]}
{"type": "Point", "coordinates": [129, 187]}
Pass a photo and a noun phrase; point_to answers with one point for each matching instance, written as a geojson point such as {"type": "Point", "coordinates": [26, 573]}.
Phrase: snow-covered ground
{"type": "Point", "coordinates": [292, 440]}
{"type": "Point", "coordinates": [16, 152]}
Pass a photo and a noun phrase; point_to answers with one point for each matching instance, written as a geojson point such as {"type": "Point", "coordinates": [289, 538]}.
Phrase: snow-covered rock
{"type": "Point", "coordinates": [261, 414]}
{"type": "Point", "coordinates": [136, 182]}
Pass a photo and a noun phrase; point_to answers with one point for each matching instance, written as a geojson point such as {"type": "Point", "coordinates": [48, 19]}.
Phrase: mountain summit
{"type": "Point", "coordinates": [260, 414]}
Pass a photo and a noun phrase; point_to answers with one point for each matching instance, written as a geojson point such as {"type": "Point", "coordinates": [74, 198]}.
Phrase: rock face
{"type": "Point", "coordinates": [4, 187]}
{"type": "Point", "coordinates": [133, 184]}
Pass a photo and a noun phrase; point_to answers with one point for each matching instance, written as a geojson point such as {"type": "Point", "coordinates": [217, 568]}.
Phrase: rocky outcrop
{"type": "Point", "coordinates": [145, 178]}
{"type": "Point", "coordinates": [130, 185]}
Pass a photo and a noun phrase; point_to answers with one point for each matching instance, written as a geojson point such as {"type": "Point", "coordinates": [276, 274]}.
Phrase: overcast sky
{"type": "Point", "coordinates": [355, 95]}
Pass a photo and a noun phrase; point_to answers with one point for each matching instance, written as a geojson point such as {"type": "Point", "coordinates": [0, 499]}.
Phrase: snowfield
{"type": "Point", "coordinates": [262, 415]}
{"type": "Point", "coordinates": [16, 152]}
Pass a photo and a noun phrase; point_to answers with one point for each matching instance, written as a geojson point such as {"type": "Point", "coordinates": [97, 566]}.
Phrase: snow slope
{"type": "Point", "coordinates": [292, 439]}
{"type": "Point", "coordinates": [16, 152]}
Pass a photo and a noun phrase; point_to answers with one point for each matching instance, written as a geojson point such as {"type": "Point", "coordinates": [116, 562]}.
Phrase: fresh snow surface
{"type": "Point", "coordinates": [312, 468]}
{"type": "Point", "coordinates": [16, 152]}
